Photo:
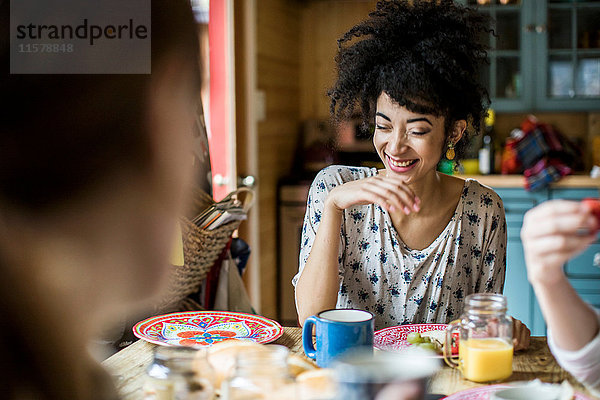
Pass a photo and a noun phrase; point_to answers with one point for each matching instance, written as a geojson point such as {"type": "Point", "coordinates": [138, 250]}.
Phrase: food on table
{"type": "Point", "coordinates": [281, 393]}
{"type": "Point", "coordinates": [298, 365]}
{"type": "Point", "coordinates": [222, 357]}
{"type": "Point", "coordinates": [430, 340]}
{"type": "Point", "coordinates": [318, 383]}
{"type": "Point", "coordinates": [414, 338]}
{"type": "Point", "coordinates": [485, 360]}
{"type": "Point", "coordinates": [436, 338]}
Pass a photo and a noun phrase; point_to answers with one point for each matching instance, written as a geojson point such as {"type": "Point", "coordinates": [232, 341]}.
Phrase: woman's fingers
{"type": "Point", "coordinates": [553, 251]}
{"type": "Point", "coordinates": [398, 193]}
{"type": "Point", "coordinates": [521, 335]}
{"type": "Point", "coordinates": [369, 195]}
{"type": "Point", "coordinates": [553, 233]}
{"type": "Point", "coordinates": [559, 243]}
{"type": "Point", "coordinates": [575, 223]}
{"type": "Point", "coordinates": [384, 199]}
{"type": "Point", "coordinates": [390, 193]}
{"type": "Point", "coordinates": [552, 208]}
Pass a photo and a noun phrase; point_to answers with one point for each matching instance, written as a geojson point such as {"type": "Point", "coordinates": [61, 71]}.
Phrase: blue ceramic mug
{"type": "Point", "coordinates": [338, 331]}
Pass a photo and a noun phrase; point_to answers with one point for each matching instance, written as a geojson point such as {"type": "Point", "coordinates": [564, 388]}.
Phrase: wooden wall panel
{"type": "Point", "coordinates": [323, 23]}
{"type": "Point", "coordinates": [278, 75]}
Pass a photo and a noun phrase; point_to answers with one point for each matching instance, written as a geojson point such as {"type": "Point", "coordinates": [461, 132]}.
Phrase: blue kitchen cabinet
{"type": "Point", "coordinates": [581, 271]}
{"type": "Point", "coordinates": [543, 55]}
{"type": "Point", "coordinates": [519, 293]}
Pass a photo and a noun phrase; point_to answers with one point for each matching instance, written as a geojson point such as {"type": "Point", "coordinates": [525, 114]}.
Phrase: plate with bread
{"type": "Point", "coordinates": [310, 381]}
{"type": "Point", "coordinates": [205, 328]}
{"type": "Point", "coordinates": [427, 336]}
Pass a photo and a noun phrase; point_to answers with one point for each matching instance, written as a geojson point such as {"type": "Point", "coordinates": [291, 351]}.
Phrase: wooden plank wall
{"type": "Point", "coordinates": [323, 23]}
{"type": "Point", "coordinates": [278, 75]}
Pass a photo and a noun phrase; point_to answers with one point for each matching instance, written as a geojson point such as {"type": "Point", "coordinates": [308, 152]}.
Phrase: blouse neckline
{"type": "Point", "coordinates": [441, 236]}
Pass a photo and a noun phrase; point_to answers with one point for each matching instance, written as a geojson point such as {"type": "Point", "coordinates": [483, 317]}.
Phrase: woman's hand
{"type": "Point", "coordinates": [553, 233]}
{"type": "Point", "coordinates": [521, 335]}
{"type": "Point", "coordinates": [390, 193]}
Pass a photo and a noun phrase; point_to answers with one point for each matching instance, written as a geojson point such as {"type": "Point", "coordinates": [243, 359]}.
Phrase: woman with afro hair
{"type": "Point", "coordinates": [406, 243]}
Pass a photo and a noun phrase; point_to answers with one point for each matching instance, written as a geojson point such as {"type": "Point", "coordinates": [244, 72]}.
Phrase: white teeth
{"type": "Point", "coordinates": [401, 163]}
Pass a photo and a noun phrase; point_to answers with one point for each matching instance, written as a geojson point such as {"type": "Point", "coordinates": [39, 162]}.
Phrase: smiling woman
{"type": "Point", "coordinates": [407, 243]}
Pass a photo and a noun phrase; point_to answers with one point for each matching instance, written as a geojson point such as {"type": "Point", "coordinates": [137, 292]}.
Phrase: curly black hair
{"type": "Point", "coordinates": [425, 55]}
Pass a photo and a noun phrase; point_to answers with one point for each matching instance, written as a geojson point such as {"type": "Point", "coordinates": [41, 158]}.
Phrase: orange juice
{"type": "Point", "coordinates": [485, 360]}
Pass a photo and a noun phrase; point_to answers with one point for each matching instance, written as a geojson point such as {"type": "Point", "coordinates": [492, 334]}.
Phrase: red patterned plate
{"type": "Point", "coordinates": [394, 337]}
{"type": "Point", "coordinates": [484, 393]}
{"type": "Point", "coordinates": [204, 328]}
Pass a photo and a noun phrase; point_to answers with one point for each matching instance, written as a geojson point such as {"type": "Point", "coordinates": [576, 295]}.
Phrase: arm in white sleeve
{"type": "Point", "coordinates": [583, 364]}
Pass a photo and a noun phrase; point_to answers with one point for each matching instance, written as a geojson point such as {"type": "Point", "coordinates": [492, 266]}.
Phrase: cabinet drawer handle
{"type": "Point", "coordinates": [597, 260]}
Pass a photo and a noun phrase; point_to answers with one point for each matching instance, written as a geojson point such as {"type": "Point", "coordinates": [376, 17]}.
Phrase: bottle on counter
{"type": "Point", "coordinates": [487, 158]}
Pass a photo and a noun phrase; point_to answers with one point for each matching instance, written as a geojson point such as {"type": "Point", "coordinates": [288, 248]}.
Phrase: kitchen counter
{"type": "Point", "coordinates": [300, 191]}
{"type": "Point", "coordinates": [511, 181]}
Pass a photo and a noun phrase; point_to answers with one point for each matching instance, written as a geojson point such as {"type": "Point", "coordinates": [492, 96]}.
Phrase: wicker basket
{"type": "Point", "coordinates": [201, 248]}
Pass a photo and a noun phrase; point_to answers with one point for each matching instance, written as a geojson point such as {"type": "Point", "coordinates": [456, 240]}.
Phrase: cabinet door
{"type": "Point", "coordinates": [517, 202]}
{"type": "Point", "coordinates": [522, 303]}
{"type": "Point", "coordinates": [509, 76]}
{"type": "Point", "coordinates": [588, 289]}
{"type": "Point", "coordinates": [291, 217]}
{"type": "Point", "coordinates": [516, 288]}
{"type": "Point", "coordinates": [568, 49]}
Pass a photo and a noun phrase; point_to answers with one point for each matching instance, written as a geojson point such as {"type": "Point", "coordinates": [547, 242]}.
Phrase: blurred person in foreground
{"type": "Point", "coordinates": [93, 174]}
{"type": "Point", "coordinates": [553, 233]}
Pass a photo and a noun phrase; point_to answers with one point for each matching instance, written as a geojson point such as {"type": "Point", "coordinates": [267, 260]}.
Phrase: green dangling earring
{"type": "Point", "coordinates": [450, 152]}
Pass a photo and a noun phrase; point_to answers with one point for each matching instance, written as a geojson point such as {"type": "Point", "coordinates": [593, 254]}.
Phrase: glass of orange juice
{"type": "Point", "coordinates": [484, 335]}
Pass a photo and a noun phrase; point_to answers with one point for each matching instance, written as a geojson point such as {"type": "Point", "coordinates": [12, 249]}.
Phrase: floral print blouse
{"type": "Point", "coordinates": [400, 285]}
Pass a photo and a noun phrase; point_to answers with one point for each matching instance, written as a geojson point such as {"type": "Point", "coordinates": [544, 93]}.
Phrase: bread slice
{"type": "Point", "coordinates": [298, 365]}
{"type": "Point", "coordinates": [315, 384]}
{"type": "Point", "coordinates": [437, 338]}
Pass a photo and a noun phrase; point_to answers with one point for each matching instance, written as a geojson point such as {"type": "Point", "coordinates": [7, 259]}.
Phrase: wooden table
{"type": "Point", "coordinates": [129, 366]}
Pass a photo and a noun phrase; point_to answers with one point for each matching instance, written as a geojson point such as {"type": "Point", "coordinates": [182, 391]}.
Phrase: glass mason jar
{"type": "Point", "coordinates": [484, 334]}
{"type": "Point", "coordinates": [179, 373]}
{"type": "Point", "coordinates": [260, 374]}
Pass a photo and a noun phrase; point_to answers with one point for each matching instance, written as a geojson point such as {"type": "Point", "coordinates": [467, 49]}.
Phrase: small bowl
{"type": "Point", "coordinates": [367, 376]}
{"type": "Point", "coordinates": [532, 390]}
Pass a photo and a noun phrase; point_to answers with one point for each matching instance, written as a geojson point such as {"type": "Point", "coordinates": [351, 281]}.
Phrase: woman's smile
{"type": "Point", "coordinates": [401, 165]}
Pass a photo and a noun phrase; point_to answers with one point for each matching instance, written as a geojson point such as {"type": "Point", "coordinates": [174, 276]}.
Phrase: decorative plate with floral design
{"type": "Point", "coordinates": [204, 328]}
{"type": "Point", "coordinates": [485, 392]}
{"type": "Point", "coordinates": [394, 337]}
